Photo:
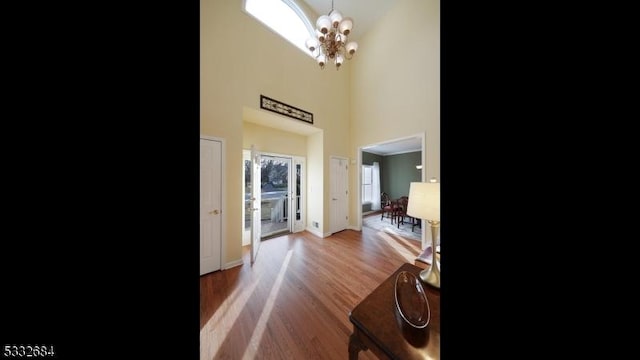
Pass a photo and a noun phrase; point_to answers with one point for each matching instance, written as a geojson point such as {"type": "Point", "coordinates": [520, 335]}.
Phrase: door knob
{"type": "Point", "coordinates": [255, 209]}
{"type": "Point", "coordinates": [215, 212]}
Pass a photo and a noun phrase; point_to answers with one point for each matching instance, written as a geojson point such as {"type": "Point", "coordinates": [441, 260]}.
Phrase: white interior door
{"type": "Point", "coordinates": [339, 190]}
{"type": "Point", "coordinates": [210, 205]}
{"type": "Point", "coordinates": [256, 216]}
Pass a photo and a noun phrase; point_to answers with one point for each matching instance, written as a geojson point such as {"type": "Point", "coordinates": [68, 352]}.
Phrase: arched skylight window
{"type": "Point", "coordinates": [285, 18]}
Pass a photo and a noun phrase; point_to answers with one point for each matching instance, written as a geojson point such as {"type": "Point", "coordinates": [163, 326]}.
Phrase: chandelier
{"type": "Point", "coordinates": [331, 39]}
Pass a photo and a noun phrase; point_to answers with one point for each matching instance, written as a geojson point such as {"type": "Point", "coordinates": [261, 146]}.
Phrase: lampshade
{"type": "Point", "coordinates": [322, 60]}
{"type": "Point", "coordinates": [323, 24]}
{"type": "Point", "coordinates": [321, 36]}
{"type": "Point", "coordinates": [352, 47]}
{"type": "Point", "coordinates": [335, 17]}
{"type": "Point", "coordinates": [424, 201]}
{"type": "Point", "coordinates": [312, 44]}
{"type": "Point", "coordinates": [346, 25]}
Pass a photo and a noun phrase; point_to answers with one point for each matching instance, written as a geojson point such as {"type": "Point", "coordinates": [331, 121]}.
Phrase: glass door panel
{"type": "Point", "coordinates": [274, 194]}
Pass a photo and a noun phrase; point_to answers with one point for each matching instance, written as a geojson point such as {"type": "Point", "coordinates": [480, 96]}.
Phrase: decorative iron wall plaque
{"type": "Point", "coordinates": [284, 109]}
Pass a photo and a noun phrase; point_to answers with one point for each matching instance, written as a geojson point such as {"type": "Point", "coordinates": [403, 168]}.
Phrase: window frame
{"type": "Point", "coordinates": [311, 32]}
{"type": "Point", "coordinates": [370, 201]}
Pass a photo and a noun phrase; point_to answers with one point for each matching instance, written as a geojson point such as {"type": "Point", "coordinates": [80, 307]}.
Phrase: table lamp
{"type": "Point", "coordinates": [424, 203]}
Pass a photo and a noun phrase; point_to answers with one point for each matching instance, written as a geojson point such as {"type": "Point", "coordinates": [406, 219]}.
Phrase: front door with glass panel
{"type": "Point", "coordinates": [275, 195]}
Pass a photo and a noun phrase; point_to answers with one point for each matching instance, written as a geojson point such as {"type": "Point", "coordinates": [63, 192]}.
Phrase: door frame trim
{"type": "Point", "coordinates": [223, 201]}
{"type": "Point", "coordinates": [303, 191]}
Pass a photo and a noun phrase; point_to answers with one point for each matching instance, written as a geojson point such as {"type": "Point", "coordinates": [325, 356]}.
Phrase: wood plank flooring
{"type": "Point", "coordinates": [294, 302]}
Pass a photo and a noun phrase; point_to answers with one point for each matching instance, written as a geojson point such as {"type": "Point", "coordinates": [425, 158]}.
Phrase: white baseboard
{"type": "Point", "coordinates": [327, 234]}
{"type": "Point", "coordinates": [231, 264]}
{"type": "Point", "coordinates": [315, 232]}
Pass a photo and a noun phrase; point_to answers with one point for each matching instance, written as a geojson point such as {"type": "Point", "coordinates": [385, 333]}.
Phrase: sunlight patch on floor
{"type": "Point", "coordinates": [402, 251]}
{"type": "Point", "coordinates": [215, 331]}
{"type": "Point", "coordinates": [252, 349]}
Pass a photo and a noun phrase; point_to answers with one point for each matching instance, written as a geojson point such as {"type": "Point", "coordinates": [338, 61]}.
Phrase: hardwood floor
{"type": "Point", "coordinates": [294, 302]}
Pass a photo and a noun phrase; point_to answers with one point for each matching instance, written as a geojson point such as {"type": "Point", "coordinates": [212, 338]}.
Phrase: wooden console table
{"type": "Point", "coordinates": [378, 326]}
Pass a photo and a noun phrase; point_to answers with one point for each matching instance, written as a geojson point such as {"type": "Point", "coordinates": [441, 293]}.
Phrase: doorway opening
{"type": "Point", "coordinates": [388, 168]}
{"type": "Point", "coordinates": [281, 201]}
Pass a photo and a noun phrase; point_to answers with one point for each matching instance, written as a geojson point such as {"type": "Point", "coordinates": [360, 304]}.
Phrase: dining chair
{"type": "Point", "coordinates": [388, 206]}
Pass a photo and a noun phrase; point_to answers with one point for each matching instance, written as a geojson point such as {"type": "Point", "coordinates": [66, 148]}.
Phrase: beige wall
{"type": "Point", "coordinates": [268, 139]}
{"type": "Point", "coordinates": [315, 183]}
{"type": "Point", "coordinates": [396, 84]}
{"type": "Point", "coordinates": [240, 59]}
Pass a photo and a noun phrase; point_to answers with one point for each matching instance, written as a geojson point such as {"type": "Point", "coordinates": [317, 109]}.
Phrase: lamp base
{"type": "Point", "coordinates": [431, 275]}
